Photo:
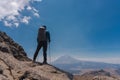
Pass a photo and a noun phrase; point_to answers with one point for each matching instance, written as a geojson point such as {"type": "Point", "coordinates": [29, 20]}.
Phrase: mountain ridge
{"type": "Point", "coordinates": [79, 66]}
{"type": "Point", "coordinates": [97, 75]}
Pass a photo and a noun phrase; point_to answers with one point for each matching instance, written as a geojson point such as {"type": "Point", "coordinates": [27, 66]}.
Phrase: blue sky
{"type": "Point", "coordinates": [85, 29]}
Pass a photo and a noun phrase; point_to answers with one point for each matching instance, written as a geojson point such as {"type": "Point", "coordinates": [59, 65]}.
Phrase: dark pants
{"type": "Point", "coordinates": [39, 46]}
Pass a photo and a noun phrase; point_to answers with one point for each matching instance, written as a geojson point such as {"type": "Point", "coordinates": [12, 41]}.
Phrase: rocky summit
{"type": "Point", "coordinates": [15, 65]}
{"type": "Point", "coordinates": [7, 45]}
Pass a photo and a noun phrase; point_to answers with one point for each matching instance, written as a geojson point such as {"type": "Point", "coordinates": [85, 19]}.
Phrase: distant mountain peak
{"type": "Point", "coordinates": [75, 66]}
{"type": "Point", "coordinates": [66, 59]}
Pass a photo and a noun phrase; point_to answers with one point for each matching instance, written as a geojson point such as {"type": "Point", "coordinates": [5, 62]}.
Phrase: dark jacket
{"type": "Point", "coordinates": [43, 35]}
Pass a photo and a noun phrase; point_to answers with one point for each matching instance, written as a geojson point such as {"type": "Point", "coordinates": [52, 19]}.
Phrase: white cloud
{"type": "Point", "coordinates": [16, 24]}
{"type": "Point", "coordinates": [29, 8]}
{"type": "Point", "coordinates": [36, 14]}
{"type": "Point", "coordinates": [11, 17]}
{"type": "Point", "coordinates": [105, 60]}
{"type": "Point", "coordinates": [26, 19]}
{"type": "Point", "coordinates": [7, 24]}
{"type": "Point", "coordinates": [34, 11]}
{"type": "Point", "coordinates": [10, 12]}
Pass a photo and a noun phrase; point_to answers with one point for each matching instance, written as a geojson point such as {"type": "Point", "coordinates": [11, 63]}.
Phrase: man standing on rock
{"type": "Point", "coordinates": [43, 39]}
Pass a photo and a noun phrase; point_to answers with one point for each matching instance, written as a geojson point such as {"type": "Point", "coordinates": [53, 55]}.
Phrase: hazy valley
{"type": "Point", "coordinates": [87, 70]}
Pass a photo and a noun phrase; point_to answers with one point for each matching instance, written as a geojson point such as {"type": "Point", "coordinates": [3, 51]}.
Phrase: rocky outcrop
{"type": "Point", "coordinates": [96, 75]}
{"type": "Point", "coordinates": [15, 65]}
{"type": "Point", "coordinates": [99, 72]}
{"type": "Point", "coordinates": [7, 45]}
{"type": "Point", "coordinates": [104, 78]}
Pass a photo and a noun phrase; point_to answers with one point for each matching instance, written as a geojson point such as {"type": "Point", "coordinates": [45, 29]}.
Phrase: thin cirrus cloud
{"type": "Point", "coordinates": [105, 60]}
{"type": "Point", "coordinates": [11, 15]}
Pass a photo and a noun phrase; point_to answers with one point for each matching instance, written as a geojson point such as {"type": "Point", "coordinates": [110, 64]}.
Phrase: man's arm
{"type": "Point", "coordinates": [38, 35]}
{"type": "Point", "coordinates": [48, 36]}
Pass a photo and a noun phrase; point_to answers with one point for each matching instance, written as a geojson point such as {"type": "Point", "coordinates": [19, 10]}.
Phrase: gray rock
{"type": "Point", "coordinates": [12, 47]}
{"type": "Point", "coordinates": [32, 76]}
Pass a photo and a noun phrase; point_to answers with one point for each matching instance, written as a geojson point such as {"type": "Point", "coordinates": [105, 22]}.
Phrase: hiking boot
{"type": "Point", "coordinates": [45, 63]}
{"type": "Point", "coordinates": [33, 61]}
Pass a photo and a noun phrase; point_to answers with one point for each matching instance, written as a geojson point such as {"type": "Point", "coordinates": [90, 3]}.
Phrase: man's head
{"type": "Point", "coordinates": [43, 27]}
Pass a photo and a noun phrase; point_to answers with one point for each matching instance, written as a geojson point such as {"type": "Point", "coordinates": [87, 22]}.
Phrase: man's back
{"type": "Point", "coordinates": [42, 35]}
